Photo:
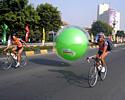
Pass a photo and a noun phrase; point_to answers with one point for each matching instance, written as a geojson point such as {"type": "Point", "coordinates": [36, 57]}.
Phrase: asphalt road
{"type": "Point", "coordinates": [48, 77]}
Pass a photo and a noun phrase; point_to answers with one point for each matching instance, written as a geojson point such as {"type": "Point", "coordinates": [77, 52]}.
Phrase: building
{"type": "Point", "coordinates": [64, 23]}
{"type": "Point", "coordinates": [101, 9]}
{"type": "Point", "coordinates": [114, 19]}
{"type": "Point", "coordinates": [109, 15]}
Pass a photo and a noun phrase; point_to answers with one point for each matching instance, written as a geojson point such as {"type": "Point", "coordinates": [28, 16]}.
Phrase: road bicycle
{"type": "Point", "coordinates": [95, 70]}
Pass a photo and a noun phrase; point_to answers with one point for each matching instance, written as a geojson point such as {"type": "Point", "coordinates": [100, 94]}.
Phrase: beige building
{"type": "Point", "coordinates": [109, 15]}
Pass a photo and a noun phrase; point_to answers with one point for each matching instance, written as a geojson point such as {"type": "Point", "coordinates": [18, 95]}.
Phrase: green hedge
{"type": "Point", "coordinates": [34, 48]}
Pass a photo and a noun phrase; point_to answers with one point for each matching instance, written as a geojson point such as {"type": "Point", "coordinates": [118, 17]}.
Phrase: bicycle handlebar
{"type": "Point", "coordinates": [94, 58]}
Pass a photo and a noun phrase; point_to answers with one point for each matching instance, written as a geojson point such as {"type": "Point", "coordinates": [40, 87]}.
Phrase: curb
{"type": "Point", "coordinates": [116, 45]}
{"type": "Point", "coordinates": [94, 46]}
{"type": "Point", "coordinates": [29, 53]}
{"type": "Point", "coordinates": [42, 52]}
{"type": "Point", "coordinates": [46, 51]}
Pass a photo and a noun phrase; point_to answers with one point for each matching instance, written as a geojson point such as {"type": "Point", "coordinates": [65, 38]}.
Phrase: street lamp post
{"type": "Point", "coordinates": [114, 24]}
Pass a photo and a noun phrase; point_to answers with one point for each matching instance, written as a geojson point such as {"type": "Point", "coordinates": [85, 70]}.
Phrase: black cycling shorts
{"type": "Point", "coordinates": [100, 52]}
{"type": "Point", "coordinates": [18, 48]}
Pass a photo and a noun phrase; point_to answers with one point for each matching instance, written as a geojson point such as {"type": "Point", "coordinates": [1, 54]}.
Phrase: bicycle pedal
{"type": "Point", "coordinates": [99, 67]}
{"type": "Point", "coordinates": [7, 54]}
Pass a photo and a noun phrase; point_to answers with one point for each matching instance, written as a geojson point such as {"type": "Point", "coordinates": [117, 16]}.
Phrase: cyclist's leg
{"type": "Point", "coordinates": [104, 68]}
{"type": "Point", "coordinates": [14, 50]}
{"type": "Point", "coordinates": [19, 54]}
{"type": "Point", "coordinates": [20, 50]}
{"type": "Point", "coordinates": [103, 56]}
{"type": "Point", "coordinates": [99, 53]}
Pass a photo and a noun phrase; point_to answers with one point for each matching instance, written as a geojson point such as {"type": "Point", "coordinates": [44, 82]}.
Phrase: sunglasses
{"type": "Point", "coordinates": [100, 37]}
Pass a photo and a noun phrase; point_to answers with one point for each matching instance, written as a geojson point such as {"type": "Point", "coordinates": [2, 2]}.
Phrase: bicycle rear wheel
{"type": "Point", "coordinates": [103, 74]}
{"type": "Point", "coordinates": [92, 76]}
{"type": "Point", "coordinates": [23, 59]}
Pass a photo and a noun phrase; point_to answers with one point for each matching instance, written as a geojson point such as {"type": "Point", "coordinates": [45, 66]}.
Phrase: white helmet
{"type": "Point", "coordinates": [101, 34]}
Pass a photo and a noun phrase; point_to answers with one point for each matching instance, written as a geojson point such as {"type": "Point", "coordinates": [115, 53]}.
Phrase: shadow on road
{"type": "Point", "coordinates": [72, 78]}
{"type": "Point", "coordinates": [50, 62]}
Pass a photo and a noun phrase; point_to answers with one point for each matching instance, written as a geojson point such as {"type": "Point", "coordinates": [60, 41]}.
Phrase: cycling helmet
{"type": "Point", "coordinates": [101, 34]}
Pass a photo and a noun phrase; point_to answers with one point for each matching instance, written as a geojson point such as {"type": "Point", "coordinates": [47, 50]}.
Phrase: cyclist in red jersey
{"type": "Point", "coordinates": [18, 49]}
{"type": "Point", "coordinates": [103, 48]}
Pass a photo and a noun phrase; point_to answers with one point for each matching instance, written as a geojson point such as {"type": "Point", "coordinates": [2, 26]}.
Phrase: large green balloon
{"type": "Point", "coordinates": [71, 43]}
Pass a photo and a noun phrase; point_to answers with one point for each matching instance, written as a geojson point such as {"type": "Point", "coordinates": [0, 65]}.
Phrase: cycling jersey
{"type": "Point", "coordinates": [17, 42]}
{"type": "Point", "coordinates": [101, 47]}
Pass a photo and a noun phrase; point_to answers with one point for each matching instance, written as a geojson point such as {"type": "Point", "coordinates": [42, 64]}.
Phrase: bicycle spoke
{"type": "Point", "coordinates": [23, 60]}
{"type": "Point", "coordinates": [5, 63]}
{"type": "Point", "coordinates": [93, 76]}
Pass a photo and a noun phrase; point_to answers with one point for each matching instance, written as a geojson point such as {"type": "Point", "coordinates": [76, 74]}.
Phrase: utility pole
{"type": "Point", "coordinates": [114, 25]}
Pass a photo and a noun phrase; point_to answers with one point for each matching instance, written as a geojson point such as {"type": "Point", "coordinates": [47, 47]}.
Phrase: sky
{"type": "Point", "coordinates": [83, 12]}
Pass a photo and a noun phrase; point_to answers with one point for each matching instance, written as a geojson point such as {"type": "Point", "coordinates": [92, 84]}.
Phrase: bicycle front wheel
{"type": "Point", "coordinates": [5, 62]}
{"type": "Point", "coordinates": [23, 59]}
{"type": "Point", "coordinates": [92, 76]}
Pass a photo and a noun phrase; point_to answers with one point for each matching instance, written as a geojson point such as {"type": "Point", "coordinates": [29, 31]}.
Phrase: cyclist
{"type": "Point", "coordinates": [103, 48]}
{"type": "Point", "coordinates": [17, 49]}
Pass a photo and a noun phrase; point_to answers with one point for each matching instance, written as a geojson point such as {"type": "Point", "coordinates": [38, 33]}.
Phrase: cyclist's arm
{"type": "Point", "coordinates": [24, 43]}
{"type": "Point", "coordinates": [8, 45]}
{"type": "Point", "coordinates": [93, 42]}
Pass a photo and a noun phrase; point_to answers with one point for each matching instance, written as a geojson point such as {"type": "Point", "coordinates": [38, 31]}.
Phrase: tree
{"type": "Point", "coordinates": [12, 5]}
{"type": "Point", "coordinates": [100, 26]}
{"type": "Point", "coordinates": [29, 16]}
{"type": "Point", "coordinates": [10, 11]}
{"type": "Point", "coordinates": [16, 13]}
{"type": "Point", "coordinates": [120, 33]}
{"type": "Point", "coordinates": [50, 18]}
